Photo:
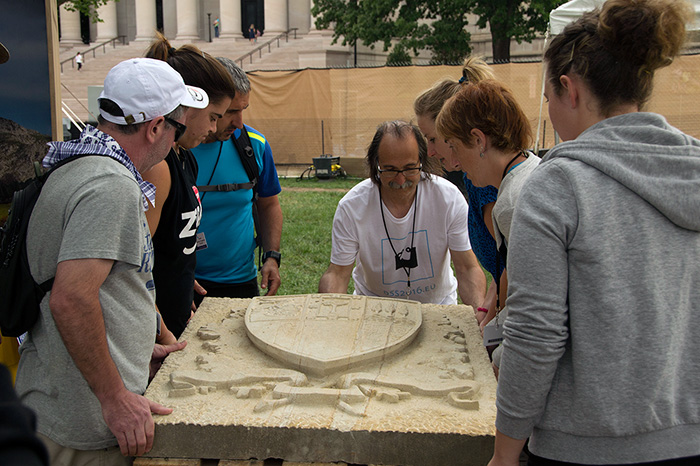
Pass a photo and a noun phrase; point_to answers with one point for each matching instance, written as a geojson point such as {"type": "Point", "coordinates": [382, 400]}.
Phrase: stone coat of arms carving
{"type": "Point", "coordinates": [332, 332]}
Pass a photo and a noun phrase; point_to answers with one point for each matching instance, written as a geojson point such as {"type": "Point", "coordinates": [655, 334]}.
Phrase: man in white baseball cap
{"type": "Point", "coordinates": [144, 89]}
{"type": "Point", "coordinates": [85, 364]}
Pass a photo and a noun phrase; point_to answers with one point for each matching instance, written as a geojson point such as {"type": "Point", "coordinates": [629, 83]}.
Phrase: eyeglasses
{"type": "Point", "coordinates": [392, 173]}
{"type": "Point", "coordinates": [179, 127]}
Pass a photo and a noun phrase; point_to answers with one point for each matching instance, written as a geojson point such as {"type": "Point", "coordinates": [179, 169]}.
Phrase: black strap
{"type": "Point", "coordinates": [501, 255]}
{"type": "Point", "coordinates": [47, 285]}
{"type": "Point", "coordinates": [226, 187]}
{"type": "Point", "coordinates": [250, 165]}
{"type": "Point", "coordinates": [245, 152]}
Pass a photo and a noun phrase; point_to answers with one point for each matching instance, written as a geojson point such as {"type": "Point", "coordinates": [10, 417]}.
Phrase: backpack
{"type": "Point", "coordinates": [245, 152]}
{"type": "Point", "coordinates": [20, 294]}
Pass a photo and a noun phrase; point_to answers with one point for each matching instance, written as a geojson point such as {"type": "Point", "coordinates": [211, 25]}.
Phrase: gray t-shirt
{"type": "Point", "coordinates": [508, 194]}
{"type": "Point", "coordinates": [89, 209]}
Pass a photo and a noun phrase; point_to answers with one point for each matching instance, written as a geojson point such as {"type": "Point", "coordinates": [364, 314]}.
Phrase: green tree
{"type": "Point", "coordinates": [86, 7]}
{"type": "Point", "coordinates": [413, 24]}
{"type": "Point", "coordinates": [399, 56]}
{"type": "Point", "coordinates": [512, 19]}
{"type": "Point", "coordinates": [437, 26]}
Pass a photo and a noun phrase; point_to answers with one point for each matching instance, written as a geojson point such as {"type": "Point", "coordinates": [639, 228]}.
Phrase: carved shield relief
{"type": "Point", "coordinates": [325, 333]}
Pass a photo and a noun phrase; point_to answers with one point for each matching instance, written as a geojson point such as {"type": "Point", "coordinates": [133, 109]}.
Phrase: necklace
{"type": "Point", "coordinates": [505, 170]}
{"type": "Point", "coordinates": [397, 258]}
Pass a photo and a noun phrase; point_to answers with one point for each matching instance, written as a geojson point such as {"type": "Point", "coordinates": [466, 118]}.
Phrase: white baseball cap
{"type": "Point", "coordinates": [145, 88]}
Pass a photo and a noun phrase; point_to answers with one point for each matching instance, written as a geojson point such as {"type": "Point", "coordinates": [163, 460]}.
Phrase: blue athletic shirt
{"type": "Point", "coordinates": [227, 217]}
{"type": "Point", "coordinates": [483, 244]}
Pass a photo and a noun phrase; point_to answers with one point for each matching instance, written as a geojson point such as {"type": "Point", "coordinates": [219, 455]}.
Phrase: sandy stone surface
{"type": "Point", "coordinates": [328, 378]}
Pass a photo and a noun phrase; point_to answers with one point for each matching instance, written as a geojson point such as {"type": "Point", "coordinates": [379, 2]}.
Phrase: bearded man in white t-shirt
{"type": "Point", "coordinates": [396, 232]}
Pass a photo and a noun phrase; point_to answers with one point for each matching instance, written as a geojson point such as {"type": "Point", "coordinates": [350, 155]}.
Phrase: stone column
{"type": "Point", "coordinates": [145, 20]}
{"type": "Point", "coordinates": [276, 19]}
{"type": "Point", "coordinates": [299, 17]}
{"type": "Point", "coordinates": [107, 29]}
{"type": "Point", "coordinates": [312, 27]}
{"type": "Point", "coordinates": [70, 26]}
{"type": "Point", "coordinates": [230, 18]}
{"type": "Point", "coordinates": [187, 20]}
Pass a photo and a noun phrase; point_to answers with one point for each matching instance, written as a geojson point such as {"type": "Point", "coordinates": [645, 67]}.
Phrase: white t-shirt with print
{"type": "Point", "coordinates": [440, 225]}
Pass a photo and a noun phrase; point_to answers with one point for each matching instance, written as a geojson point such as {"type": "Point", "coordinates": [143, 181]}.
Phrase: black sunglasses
{"type": "Point", "coordinates": [179, 127]}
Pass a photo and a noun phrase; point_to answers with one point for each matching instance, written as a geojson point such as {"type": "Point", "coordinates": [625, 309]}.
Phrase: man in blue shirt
{"type": "Point", "coordinates": [226, 239]}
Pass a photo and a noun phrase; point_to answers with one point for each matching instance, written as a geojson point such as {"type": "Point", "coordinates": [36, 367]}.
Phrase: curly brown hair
{"type": "Point", "coordinates": [490, 107]}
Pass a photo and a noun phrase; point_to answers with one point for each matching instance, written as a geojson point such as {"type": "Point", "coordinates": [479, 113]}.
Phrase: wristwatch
{"type": "Point", "coordinates": [274, 254]}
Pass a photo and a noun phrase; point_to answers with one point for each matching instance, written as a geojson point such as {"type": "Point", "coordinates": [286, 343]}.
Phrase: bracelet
{"type": "Point", "coordinates": [482, 309]}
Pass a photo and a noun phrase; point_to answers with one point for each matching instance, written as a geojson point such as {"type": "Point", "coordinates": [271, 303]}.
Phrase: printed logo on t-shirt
{"type": "Point", "coordinates": [192, 220]}
{"type": "Point", "coordinates": [414, 259]}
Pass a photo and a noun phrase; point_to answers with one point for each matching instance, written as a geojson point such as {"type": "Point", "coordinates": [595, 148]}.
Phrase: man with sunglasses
{"type": "Point", "coordinates": [84, 365]}
{"type": "Point", "coordinates": [396, 232]}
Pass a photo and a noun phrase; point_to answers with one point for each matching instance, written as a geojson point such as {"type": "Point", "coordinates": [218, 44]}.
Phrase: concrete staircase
{"type": "Point", "coordinates": [74, 83]}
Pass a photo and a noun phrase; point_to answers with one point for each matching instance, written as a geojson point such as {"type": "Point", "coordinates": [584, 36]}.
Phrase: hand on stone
{"type": "Point", "coordinates": [128, 416]}
{"type": "Point", "coordinates": [159, 354]}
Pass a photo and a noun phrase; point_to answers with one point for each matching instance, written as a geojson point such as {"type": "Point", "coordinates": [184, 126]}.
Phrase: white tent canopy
{"type": "Point", "coordinates": [570, 11]}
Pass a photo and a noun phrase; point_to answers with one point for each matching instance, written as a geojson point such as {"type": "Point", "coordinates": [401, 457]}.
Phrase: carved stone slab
{"type": "Point", "coordinates": [324, 333]}
{"type": "Point", "coordinates": [430, 403]}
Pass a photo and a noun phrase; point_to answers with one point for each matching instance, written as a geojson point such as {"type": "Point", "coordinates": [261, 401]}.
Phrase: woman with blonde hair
{"type": "Point", "coordinates": [601, 358]}
{"type": "Point", "coordinates": [481, 200]}
{"type": "Point", "coordinates": [174, 219]}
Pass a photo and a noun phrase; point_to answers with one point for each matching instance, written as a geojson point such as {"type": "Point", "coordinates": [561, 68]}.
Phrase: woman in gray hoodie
{"type": "Point", "coordinates": [601, 359]}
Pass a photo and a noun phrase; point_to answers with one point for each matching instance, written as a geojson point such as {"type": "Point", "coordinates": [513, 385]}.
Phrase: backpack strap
{"type": "Point", "coordinates": [226, 187]}
{"type": "Point", "coordinates": [247, 155]}
{"type": "Point", "coordinates": [245, 151]}
{"type": "Point", "coordinates": [250, 165]}
{"type": "Point", "coordinates": [46, 286]}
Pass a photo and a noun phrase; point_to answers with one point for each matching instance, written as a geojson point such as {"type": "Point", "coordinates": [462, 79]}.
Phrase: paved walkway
{"type": "Point", "coordinates": [74, 83]}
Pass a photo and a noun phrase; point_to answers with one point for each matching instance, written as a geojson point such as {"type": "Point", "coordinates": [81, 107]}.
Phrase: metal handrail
{"type": "Point", "coordinates": [267, 44]}
{"type": "Point", "coordinates": [79, 102]}
{"type": "Point", "coordinates": [92, 49]}
{"type": "Point", "coordinates": [71, 115]}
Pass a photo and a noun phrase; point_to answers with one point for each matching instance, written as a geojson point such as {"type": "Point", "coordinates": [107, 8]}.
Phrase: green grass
{"type": "Point", "coordinates": [308, 210]}
{"type": "Point", "coordinates": [308, 207]}
{"type": "Point", "coordinates": [336, 183]}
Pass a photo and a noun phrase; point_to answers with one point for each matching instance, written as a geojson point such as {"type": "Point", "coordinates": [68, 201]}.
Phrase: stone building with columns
{"type": "Point", "coordinates": [137, 20]}
{"type": "Point", "coordinates": [192, 20]}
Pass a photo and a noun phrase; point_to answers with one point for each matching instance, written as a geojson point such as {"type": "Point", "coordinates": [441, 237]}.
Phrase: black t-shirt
{"type": "Point", "coordinates": [175, 241]}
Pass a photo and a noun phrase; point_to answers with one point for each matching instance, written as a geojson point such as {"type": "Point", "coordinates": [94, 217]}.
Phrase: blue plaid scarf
{"type": "Point", "coordinates": [94, 141]}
